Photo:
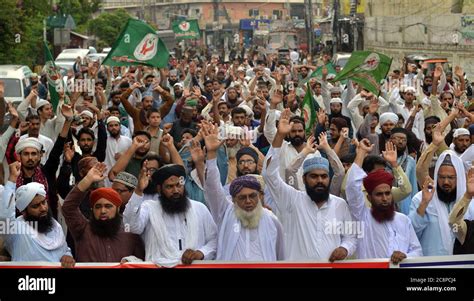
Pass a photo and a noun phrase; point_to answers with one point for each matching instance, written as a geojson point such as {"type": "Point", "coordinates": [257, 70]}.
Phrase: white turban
{"type": "Point", "coordinates": [461, 132]}
{"type": "Point", "coordinates": [335, 100]}
{"type": "Point", "coordinates": [26, 193]}
{"type": "Point", "coordinates": [28, 142]}
{"type": "Point", "coordinates": [87, 113]}
{"type": "Point", "coordinates": [40, 103]}
{"type": "Point", "coordinates": [247, 109]}
{"type": "Point", "coordinates": [388, 116]}
{"type": "Point", "coordinates": [335, 90]}
{"type": "Point", "coordinates": [410, 89]}
{"type": "Point", "coordinates": [113, 119]}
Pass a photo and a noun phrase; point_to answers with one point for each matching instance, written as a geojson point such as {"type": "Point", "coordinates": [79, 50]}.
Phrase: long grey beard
{"type": "Point", "coordinates": [250, 219]}
{"type": "Point", "coordinates": [232, 151]}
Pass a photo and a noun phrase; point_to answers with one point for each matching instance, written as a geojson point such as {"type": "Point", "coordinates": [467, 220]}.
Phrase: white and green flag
{"type": "Point", "coordinates": [187, 29]}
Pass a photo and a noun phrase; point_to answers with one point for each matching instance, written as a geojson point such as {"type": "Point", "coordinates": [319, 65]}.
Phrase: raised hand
{"type": "Point", "coordinates": [143, 178]}
{"type": "Point", "coordinates": [321, 116]}
{"type": "Point", "coordinates": [2, 89]}
{"type": "Point", "coordinates": [284, 125]}
{"type": "Point", "coordinates": [323, 142]}
{"type": "Point", "coordinates": [428, 190]}
{"type": "Point", "coordinates": [470, 182]}
{"type": "Point", "coordinates": [197, 153]}
{"type": "Point", "coordinates": [438, 71]}
{"type": "Point", "coordinates": [364, 145]}
{"type": "Point", "coordinates": [438, 137]}
{"type": "Point", "coordinates": [68, 152]}
{"type": "Point", "coordinates": [459, 72]}
{"type": "Point", "coordinates": [167, 141]}
{"type": "Point", "coordinates": [373, 107]}
{"type": "Point", "coordinates": [390, 154]}
{"type": "Point", "coordinates": [97, 172]}
{"type": "Point", "coordinates": [66, 110]}
{"type": "Point", "coordinates": [13, 112]}
{"type": "Point", "coordinates": [277, 97]}
{"type": "Point", "coordinates": [15, 169]}
{"type": "Point", "coordinates": [210, 133]}
{"type": "Point", "coordinates": [167, 128]}
{"type": "Point", "coordinates": [311, 146]}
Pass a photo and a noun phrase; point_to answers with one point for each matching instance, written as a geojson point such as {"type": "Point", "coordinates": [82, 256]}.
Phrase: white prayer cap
{"type": "Point", "coordinates": [331, 76]}
{"type": "Point", "coordinates": [410, 89]}
{"type": "Point", "coordinates": [461, 132]}
{"type": "Point", "coordinates": [26, 193]}
{"type": "Point", "coordinates": [179, 85]}
{"type": "Point", "coordinates": [248, 110]}
{"type": "Point", "coordinates": [335, 100]}
{"type": "Point", "coordinates": [336, 89]}
{"type": "Point", "coordinates": [28, 142]}
{"type": "Point", "coordinates": [87, 113]}
{"type": "Point", "coordinates": [113, 119]}
{"type": "Point", "coordinates": [388, 116]}
{"type": "Point", "coordinates": [41, 102]}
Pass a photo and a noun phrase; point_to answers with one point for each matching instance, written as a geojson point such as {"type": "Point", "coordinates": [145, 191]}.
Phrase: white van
{"type": "Point", "coordinates": [16, 78]}
{"type": "Point", "coordinates": [67, 57]}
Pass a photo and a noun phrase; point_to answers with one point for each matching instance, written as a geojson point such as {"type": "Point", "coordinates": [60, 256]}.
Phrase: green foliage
{"type": "Point", "coordinates": [108, 26]}
{"type": "Point", "coordinates": [81, 10]}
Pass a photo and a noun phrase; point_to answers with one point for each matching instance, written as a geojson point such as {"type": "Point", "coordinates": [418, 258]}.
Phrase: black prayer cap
{"type": "Point", "coordinates": [167, 171]}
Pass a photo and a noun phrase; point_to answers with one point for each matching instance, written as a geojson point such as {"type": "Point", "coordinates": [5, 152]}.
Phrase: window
{"type": "Point", "coordinates": [277, 14]}
{"type": "Point", "coordinates": [253, 12]}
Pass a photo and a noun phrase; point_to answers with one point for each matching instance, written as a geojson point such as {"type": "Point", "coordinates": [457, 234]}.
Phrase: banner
{"type": "Point", "coordinates": [188, 29]}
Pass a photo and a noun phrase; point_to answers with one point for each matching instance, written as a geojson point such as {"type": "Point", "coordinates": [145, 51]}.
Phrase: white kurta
{"type": "Point", "coordinates": [236, 243]}
{"type": "Point", "coordinates": [309, 230]}
{"type": "Point", "coordinates": [138, 217]}
{"type": "Point", "coordinates": [379, 240]}
{"type": "Point", "coordinates": [114, 146]}
{"type": "Point", "coordinates": [32, 246]}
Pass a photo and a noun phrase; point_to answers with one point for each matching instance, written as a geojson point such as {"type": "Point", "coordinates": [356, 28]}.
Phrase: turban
{"type": "Point", "coordinates": [461, 132]}
{"type": "Point", "coordinates": [376, 178]}
{"type": "Point", "coordinates": [388, 116]}
{"type": "Point", "coordinates": [167, 171]}
{"type": "Point", "coordinates": [105, 193]}
{"type": "Point", "coordinates": [87, 113]}
{"type": "Point", "coordinates": [243, 182]}
{"type": "Point", "coordinates": [248, 110]}
{"type": "Point", "coordinates": [26, 193]}
{"type": "Point", "coordinates": [432, 120]}
{"type": "Point", "coordinates": [335, 90]}
{"type": "Point", "coordinates": [259, 179]}
{"type": "Point", "coordinates": [126, 179]}
{"type": "Point", "coordinates": [28, 142]}
{"type": "Point", "coordinates": [113, 119]}
{"type": "Point", "coordinates": [40, 103]}
{"type": "Point", "coordinates": [410, 89]}
{"type": "Point", "coordinates": [247, 151]}
{"type": "Point", "coordinates": [315, 163]}
{"type": "Point", "coordinates": [179, 85]}
{"type": "Point", "coordinates": [335, 100]}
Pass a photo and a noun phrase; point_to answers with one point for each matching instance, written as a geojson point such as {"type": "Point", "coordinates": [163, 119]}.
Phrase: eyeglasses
{"type": "Point", "coordinates": [242, 198]}
{"type": "Point", "coordinates": [249, 162]}
{"type": "Point", "coordinates": [120, 191]}
{"type": "Point", "coordinates": [450, 178]}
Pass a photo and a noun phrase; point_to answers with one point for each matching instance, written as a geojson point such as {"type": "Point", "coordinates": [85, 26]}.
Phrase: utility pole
{"type": "Point", "coordinates": [335, 27]}
{"type": "Point", "coordinates": [309, 25]}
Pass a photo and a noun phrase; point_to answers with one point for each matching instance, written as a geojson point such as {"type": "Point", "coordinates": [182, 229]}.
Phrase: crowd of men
{"type": "Point", "coordinates": [211, 160]}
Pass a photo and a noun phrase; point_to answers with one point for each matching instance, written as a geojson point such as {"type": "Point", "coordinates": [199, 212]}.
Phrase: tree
{"type": "Point", "coordinates": [108, 26]}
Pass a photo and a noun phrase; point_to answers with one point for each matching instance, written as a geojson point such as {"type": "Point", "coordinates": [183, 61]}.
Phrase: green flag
{"type": "Point", "coordinates": [53, 76]}
{"type": "Point", "coordinates": [138, 44]}
{"type": "Point", "coordinates": [318, 73]}
{"type": "Point", "coordinates": [308, 111]}
{"type": "Point", "coordinates": [188, 29]}
{"type": "Point", "coordinates": [366, 68]}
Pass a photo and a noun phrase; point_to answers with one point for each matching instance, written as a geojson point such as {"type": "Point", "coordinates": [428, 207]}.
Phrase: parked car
{"type": "Point", "coordinates": [65, 60]}
{"type": "Point", "coordinates": [15, 78]}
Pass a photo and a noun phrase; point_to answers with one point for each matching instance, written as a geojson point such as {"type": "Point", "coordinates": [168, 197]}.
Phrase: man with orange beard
{"type": "Point", "coordinates": [392, 231]}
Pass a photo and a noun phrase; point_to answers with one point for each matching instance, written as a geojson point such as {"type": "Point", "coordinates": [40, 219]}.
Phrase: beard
{"type": "Point", "coordinates": [401, 151]}
{"type": "Point", "coordinates": [45, 223]}
{"type": "Point", "coordinates": [446, 197]}
{"type": "Point", "coordinates": [459, 150]}
{"type": "Point", "coordinates": [107, 228]}
{"type": "Point", "coordinates": [296, 141]}
{"type": "Point", "coordinates": [232, 151]}
{"type": "Point", "coordinates": [383, 213]}
{"type": "Point", "coordinates": [317, 196]}
{"type": "Point", "coordinates": [175, 204]}
{"type": "Point", "coordinates": [249, 220]}
{"type": "Point", "coordinates": [246, 172]}
{"type": "Point", "coordinates": [178, 95]}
